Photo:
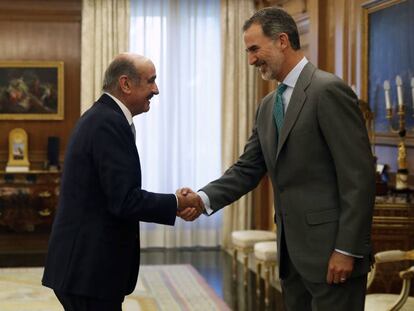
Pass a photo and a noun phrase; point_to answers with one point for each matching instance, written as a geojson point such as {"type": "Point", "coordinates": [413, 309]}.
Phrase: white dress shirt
{"type": "Point", "coordinates": [290, 80]}
{"type": "Point", "coordinates": [125, 110]}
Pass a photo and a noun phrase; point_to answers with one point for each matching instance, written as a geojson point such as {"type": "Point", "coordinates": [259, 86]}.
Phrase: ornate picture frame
{"type": "Point", "coordinates": [31, 90]}
{"type": "Point", "coordinates": [385, 54]}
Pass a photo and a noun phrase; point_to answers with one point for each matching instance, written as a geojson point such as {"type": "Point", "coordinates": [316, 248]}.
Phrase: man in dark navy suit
{"type": "Point", "coordinates": [93, 256]}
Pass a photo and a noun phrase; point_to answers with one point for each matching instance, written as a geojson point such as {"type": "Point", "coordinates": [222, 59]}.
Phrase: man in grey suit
{"type": "Point", "coordinates": [310, 138]}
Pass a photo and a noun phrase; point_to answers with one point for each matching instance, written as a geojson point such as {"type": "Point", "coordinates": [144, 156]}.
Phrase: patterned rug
{"type": "Point", "coordinates": [159, 288]}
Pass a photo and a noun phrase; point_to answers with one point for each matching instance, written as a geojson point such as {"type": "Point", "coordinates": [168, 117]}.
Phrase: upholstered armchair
{"type": "Point", "coordinates": [392, 302]}
{"type": "Point", "coordinates": [265, 254]}
{"type": "Point", "coordinates": [243, 241]}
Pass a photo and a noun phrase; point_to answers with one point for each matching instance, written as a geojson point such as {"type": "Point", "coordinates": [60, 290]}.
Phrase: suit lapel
{"type": "Point", "coordinates": [271, 132]}
{"type": "Point", "coordinates": [296, 103]}
{"type": "Point", "coordinates": [109, 103]}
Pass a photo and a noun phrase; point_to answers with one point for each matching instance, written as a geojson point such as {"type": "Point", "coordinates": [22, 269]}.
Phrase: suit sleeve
{"type": "Point", "coordinates": [343, 128]}
{"type": "Point", "coordinates": [117, 162]}
{"type": "Point", "coordinates": [242, 177]}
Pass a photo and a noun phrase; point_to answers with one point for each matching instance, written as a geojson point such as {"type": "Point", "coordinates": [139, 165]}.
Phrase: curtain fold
{"type": "Point", "coordinates": [239, 84]}
{"type": "Point", "coordinates": [105, 33]}
{"type": "Point", "coordinates": [179, 139]}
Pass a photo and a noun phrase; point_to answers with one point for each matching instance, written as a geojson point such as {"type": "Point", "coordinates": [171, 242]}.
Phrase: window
{"type": "Point", "coordinates": [179, 139]}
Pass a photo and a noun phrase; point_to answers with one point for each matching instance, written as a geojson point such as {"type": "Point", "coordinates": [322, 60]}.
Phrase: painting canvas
{"type": "Point", "coordinates": [31, 90]}
{"type": "Point", "coordinates": [390, 44]}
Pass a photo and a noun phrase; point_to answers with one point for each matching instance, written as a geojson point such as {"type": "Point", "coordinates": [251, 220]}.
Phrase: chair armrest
{"type": "Point", "coordinates": [407, 274]}
{"type": "Point", "coordinates": [371, 275]}
{"type": "Point", "coordinates": [390, 256]}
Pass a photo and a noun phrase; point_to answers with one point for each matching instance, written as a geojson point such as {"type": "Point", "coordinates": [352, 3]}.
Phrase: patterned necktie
{"type": "Point", "coordinates": [278, 110]}
{"type": "Point", "coordinates": [133, 130]}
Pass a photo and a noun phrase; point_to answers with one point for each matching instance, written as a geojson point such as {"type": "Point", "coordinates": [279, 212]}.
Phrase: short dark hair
{"type": "Point", "coordinates": [119, 67]}
{"type": "Point", "coordinates": [274, 21]}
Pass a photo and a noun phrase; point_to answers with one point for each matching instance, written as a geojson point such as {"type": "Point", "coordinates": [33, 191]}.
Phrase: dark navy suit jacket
{"type": "Point", "coordinates": [94, 244]}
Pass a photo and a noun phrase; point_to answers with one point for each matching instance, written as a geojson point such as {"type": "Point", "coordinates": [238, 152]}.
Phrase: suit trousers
{"type": "Point", "coordinates": [82, 303]}
{"type": "Point", "coordinates": [302, 295]}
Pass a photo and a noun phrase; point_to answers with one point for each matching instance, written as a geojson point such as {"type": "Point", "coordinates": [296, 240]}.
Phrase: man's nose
{"type": "Point", "coordinates": [252, 59]}
{"type": "Point", "coordinates": [155, 89]}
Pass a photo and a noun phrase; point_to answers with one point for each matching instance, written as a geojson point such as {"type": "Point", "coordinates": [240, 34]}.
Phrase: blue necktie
{"type": "Point", "coordinates": [278, 110]}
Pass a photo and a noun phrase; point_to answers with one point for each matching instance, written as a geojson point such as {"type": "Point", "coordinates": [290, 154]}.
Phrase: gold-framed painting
{"type": "Point", "coordinates": [386, 54]}
{"type": "Point", "coordinates": [31, 90]}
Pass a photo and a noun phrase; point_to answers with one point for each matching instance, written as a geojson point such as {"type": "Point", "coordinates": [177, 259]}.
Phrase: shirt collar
{"type": "Point", "coordinates": [294, 74]}
{"type": "Point", "coordinates": [124, 108]}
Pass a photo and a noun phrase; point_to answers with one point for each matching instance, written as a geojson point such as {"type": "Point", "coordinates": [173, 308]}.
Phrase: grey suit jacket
{"type": "Point", "coordinates": [322, 172]}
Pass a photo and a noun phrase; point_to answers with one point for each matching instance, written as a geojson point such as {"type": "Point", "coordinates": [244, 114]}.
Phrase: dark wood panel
{"type": "Point", "coordinates": [41, 10]}
{"type": "Point", "coordinates": [52, 33]}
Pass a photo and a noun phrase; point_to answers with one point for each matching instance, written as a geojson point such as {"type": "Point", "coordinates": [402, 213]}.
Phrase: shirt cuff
{"type": "Point", "coordinates": [206, 202]}
{"type": "Point", "coordinates": [348, 254]}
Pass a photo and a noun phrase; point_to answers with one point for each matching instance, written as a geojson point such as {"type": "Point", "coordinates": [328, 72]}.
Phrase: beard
{"type": "Point", "coordinates": [270, 69]}
{"type": "Point", "coordinates": [266, 72]}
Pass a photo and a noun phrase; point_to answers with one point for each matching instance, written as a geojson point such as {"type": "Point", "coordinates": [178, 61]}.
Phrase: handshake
{"type": "Point", "coordinates": [190, 205]}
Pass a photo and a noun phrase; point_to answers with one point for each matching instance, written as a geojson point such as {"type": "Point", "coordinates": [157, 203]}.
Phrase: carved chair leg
{"type": "Point", "coordinates": [267, 283]}
{"type": "Point", "coordinates": [235, 264]}
{"type": "Point", "coordinates": [258, 275]}
{"type": "Point", "coordinates": [245, 268]}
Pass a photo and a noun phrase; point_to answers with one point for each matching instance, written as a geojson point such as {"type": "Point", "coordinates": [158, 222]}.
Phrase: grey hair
{"type": "Point", "coordinates": [274, 21]}
{"type": "Point", "coordinates": [117, 68]}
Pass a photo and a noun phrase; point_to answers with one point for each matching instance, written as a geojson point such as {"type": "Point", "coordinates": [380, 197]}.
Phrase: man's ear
{"type": "Point", "coordinates": [124, 84]}
{"type": "Point", "coordinates": [284, 40]}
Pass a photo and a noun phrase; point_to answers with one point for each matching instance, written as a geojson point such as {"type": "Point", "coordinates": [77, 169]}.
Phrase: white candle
{"type": "Point", "coordinates": [398, 81]}
{"type": "Point", "coordinates": [412, 90]}
{"type": "Point", "coordinates": [387, 94]}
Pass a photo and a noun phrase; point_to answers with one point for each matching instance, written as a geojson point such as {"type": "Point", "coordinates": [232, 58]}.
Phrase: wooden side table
{"type": "Point", "coordinates": [28, 199]}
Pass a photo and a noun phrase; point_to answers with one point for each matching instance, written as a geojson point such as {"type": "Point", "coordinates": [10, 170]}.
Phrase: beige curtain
{"type": "Point", "coordinates": [239, 105]}
{"type": "Point", "coordinates": [105, 33]}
